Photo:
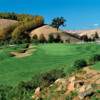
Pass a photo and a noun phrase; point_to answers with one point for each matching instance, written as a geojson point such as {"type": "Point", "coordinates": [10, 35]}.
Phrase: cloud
{"type": "Point", "coordinates": [95, 24]}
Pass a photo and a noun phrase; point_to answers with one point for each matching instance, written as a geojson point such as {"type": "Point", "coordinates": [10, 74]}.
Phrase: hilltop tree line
{"type": "Point", "coordinates": [39, 39]}
{"type": "Point", "coordinates": [93, 38]}
{"type": "Point", "coordinates": [20, 30]}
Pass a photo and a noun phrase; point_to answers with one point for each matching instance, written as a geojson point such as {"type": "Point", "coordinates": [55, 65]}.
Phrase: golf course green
{"type": "Point", "coordinates": [44, 58]}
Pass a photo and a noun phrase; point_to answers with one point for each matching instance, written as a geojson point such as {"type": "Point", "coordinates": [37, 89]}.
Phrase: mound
{"type": "Point", "coordinates": [46, 30]}
{"type": "Point", "coordinates": [6, 22]}
{"type": "Point", "coordinates": [89, 33]}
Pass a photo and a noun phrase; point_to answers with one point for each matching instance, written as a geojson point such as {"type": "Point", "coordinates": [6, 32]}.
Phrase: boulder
{"type": "Point", "coordinates": [64, 81]}
{"type": "Point", "coordinates": [98, 81]}
{"type": "Point", "coordinates": [60, 80]}
{"type": "Point", "coordinates": [71, 79]}
{"type": "Point", "coordinates": [62, 86]}
{"type": "Point", "coordinates": [84, 94]}
{"type": "Point", "coordinates": [37, 91]}
{"type": "Point", "coordinates": [75, 85]}
{"type": "Point", "coordinates": [84, 88]}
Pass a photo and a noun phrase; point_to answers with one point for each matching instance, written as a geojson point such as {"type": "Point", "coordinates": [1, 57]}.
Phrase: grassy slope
{"type": "Point", "coordinates": [46, 57]}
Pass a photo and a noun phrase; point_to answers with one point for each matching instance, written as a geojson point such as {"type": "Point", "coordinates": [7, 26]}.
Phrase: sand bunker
{"type": "Point", "coordinates": [26, 53]}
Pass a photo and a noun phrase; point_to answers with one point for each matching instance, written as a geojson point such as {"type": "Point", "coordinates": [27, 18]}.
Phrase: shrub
{"type": "Point", "coordinates": [47, 78]}
{"type": "Point", "coordinates": [78, 64]}
{"type": "Point", "coordinates": [94, 58]}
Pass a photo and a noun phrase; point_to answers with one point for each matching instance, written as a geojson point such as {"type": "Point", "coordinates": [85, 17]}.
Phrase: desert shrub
{"type": "Point", "coordinates": [78, 64]}
{"type": "Point", "coordinates": [94, 58]}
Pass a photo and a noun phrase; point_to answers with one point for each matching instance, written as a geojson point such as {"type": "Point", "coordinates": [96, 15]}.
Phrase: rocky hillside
{"type": "Point", "coordinates": [46, 30]}
{"type": "Point", "coordinates": [80, 86]}
{"type": "Point", "coordinates": [89, 33]}
{"type": "Point", "coordinates": [6, 22]}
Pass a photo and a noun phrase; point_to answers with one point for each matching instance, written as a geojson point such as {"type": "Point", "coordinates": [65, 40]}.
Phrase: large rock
{"type": "Point", "coordinates": [37, 91]}
{"type": "Point", "coordinates": [84, 88]}
{"type": "Point", "coordinates": [71, 79]}
{"type": "Point", "coordinates": [75, 85]}
{"type": "Point", "coordinates": [60, 80]}
{"type": "Point", "coordinates": [62, 87]}
{"type": "Point", "coordinates": [98, 81]}
{"type": "Point", "coordinates": [84, 94]}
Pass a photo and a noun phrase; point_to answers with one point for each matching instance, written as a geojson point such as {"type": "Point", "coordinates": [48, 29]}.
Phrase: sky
{"type": "Point", "coordinates": [80, 14]}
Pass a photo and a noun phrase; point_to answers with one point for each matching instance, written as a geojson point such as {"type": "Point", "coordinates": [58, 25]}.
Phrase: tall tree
{"type": "Point", "coordinates": [57, 22]}
{"type": "Point", "coordinates": [84, 37]}
{"type": "Point", "coordinates": [42, 38]}
{"type": "Point", "coordinates": [51, 38]}
{"type": "Point", "coordinates": [58, 38]}
{"type": "Point", "coordinates": [96, 35]}
{"type": "Point", "coordinates": [35, 36]}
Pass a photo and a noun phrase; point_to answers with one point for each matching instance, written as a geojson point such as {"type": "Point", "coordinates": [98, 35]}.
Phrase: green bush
{"type": "Point", "coordinates": [94, 58]}
{"type": "Point", "coordinates": [78, 64]}
{"type": "Point", "coordinates": [47, 78]}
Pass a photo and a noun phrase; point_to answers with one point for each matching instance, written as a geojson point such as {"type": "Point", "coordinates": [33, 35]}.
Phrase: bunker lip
{"type": "Point", "coordinates": [26, 53]}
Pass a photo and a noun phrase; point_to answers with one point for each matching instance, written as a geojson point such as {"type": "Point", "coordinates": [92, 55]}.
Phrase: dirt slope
{"type": "Point", "coordinates": [65, 88]}
{"type": "Point", "coordinates": [5, 22]}
{"type": "Point", "coordinates": [46, 30]}
{"type": "Point", "coordinates": [89, 33]}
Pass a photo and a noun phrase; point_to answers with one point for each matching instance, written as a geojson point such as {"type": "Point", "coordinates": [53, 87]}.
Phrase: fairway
{"type": "Point", "coordinates": [46, 57]}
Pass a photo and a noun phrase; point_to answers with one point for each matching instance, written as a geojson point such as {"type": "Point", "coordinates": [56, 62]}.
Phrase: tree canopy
{"type": "Point", "coordinates": [57, 22]}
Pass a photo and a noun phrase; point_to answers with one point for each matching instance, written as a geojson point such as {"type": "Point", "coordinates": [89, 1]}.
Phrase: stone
{"type": "Point", "coordinates": [98, 81]}
{"type": "Point", "coordinates": [84, 88]}
{"type": "Point", "coordinates": [37, 91]}
{"type": "Point", "coordinates": [64, 81]}
{"type": "Point", "coordinates": [60, 80]}
{"type": "Point", "coordinates": [71, 79]}
{"type": "Point", "coordinates": [78, 84]}
{"type": "Point", "coordinates": [75, 85]}
{"type": "Point", "coordinates": [62, 86]}
{"type": "Point", "coordinates": [82, 95]}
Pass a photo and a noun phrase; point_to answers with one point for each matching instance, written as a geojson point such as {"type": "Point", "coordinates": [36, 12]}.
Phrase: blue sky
{"type": "Point", "coordinates": [80, 14]}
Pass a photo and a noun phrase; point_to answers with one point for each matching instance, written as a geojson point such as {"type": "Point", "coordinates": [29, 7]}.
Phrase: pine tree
{"type": "Point", "coordinates": [51, 38]}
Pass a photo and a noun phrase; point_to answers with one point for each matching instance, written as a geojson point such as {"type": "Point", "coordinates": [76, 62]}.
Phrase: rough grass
{"type": "Point", "coordinates": [46, 57]}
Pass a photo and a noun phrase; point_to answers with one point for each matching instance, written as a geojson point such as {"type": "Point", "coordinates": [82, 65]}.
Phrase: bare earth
{"type": "Point", "coordinates": [89, 33]}
{"type": "Point", "coordinates": [46, 30]}
{"type": "Point", "coordinates": [6, 22]}
{"type": "Point", "coordinates": [27, 53]}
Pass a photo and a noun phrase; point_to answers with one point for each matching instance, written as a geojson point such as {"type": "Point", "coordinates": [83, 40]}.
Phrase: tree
{"type": "Point", "coordinates": [58, 38]}
{"type": "Point", "coordinates": [84, 38]}
{"type": "Point", "coordinates": [42, 38]}
{"type": "Point", "coordinates": [51, 38]}
{"type": "Point", "coordinates": [35, 37]}
{"type": "Point", "coordinates": [57, 22]}
{"type": "Point", "coordinates": [96, 35]}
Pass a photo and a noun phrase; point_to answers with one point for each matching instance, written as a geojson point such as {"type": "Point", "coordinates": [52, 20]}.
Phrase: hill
{"type": "Point", "coordinates": [6, 22]}
{"type": "Point", "coordinates": [19, 31]}
{"type": "Point", "coordinates": [89, 33]}
{"type": "Point", "coordinates": [46, 30]}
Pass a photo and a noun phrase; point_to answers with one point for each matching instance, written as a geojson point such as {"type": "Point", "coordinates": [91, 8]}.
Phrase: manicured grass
{"type": "Point", "coordinates": [96, 66]}
{"type": "Point", "coordinates": [46, 57]}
